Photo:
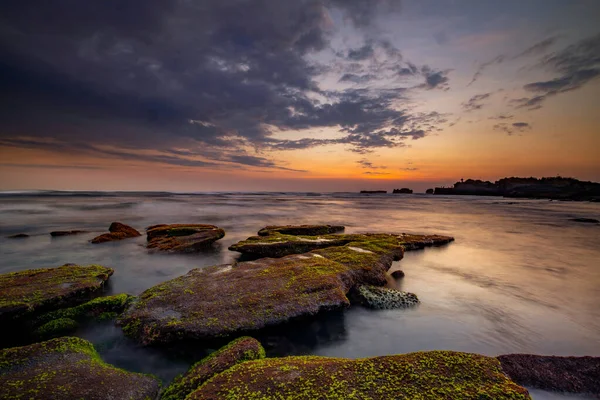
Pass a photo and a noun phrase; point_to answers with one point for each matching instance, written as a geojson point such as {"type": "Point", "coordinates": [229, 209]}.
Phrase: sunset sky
{"type": "Point", "coordinates": [303, 95]}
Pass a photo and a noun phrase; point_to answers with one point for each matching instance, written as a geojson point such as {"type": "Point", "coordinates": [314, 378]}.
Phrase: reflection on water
{"type": "Point", "coordinates": [520, 277]}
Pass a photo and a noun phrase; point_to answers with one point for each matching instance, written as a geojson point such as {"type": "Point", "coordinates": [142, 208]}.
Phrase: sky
{"type": "Point", "coordinates": [303, 95]}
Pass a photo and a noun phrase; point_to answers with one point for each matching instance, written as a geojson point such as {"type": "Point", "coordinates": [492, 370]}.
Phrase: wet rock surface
{"type": "Point", "coordinates": [397, 274]}
{"type": "Point", "coordinates": [117, 231]}
{"type": "Point", "coordinates": [227, 300]}
{"type": "Point", "coordinates": [383, 298]}
{"type": "Point", "coordinates": [182, 238]}
{"type": "Point", "coordinates": [66, 233]}
{"type": "Point", "coordinates": [585, 220]}
{"type": "Point", "coordinates": [310, 230]}
{"type": "Point", "coordinates": [236, 352]}
{"type": "Point", "coordinates": [422, 375]}
{"type": "Point", "coordinates": [564, 374]}
{"type": "Point", "coordinates": [28, 293]}
{"type": "Point", "coordinates": [18, 236]}
{"type": "Point", "coordinates": [68, 368]}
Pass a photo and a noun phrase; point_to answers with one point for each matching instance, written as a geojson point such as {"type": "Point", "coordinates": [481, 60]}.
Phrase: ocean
{"type": "Point", "coordinates": [521, 277]}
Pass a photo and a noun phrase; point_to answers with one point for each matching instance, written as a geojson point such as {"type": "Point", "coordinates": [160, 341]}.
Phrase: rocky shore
{"type": "Point", "coordinates": [292, 273]}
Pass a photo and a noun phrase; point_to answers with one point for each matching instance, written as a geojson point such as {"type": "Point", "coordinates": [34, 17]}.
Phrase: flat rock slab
{"type": "Point", "coordinates": [424, 375]}
{"type": "Point", "coordinates": [66, 233]}
{"type": "Point", "coordinates": [277, 244]}
{"type": "Point", "coordinates": [227, 300]}
{"type": "Point", "coordinates": [311, 230]}
{"type": "Point", "coordinates": [238, 351]}
{"type": "Point", "coordinates": [25, 293]}
{"type": "Point", "coordinates": [563, 374]}
{"type": "Point", "coordinates": [117, 231]}
{"type": "Point", "coordinates": [182, 238]}
{"type": "Point", "coordinates": [68, 368]}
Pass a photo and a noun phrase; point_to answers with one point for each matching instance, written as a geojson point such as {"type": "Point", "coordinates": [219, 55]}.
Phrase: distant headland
{"type": "Point", "coordinates": [556, 188]}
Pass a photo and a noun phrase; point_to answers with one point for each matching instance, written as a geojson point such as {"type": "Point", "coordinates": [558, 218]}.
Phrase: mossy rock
{"type": "Point", "coordinates": [230, 300]}
{"type": "Point", "coordinates": [238, 351]}
{"type": "Point", "coordinates": [28, 293]}
{"type": "Point", "coordinates": [68, 368]}
{"type": "Point", "coordinates": [117, 231]}
{"type": "Point", "coordinates": [56, 328]}
{"type": "Point", "coordinates": [182, 238]}
{"type": "Point", "coordinates": [310, 230]}
{"type": "Point", "coordinates": [383, 298]}
{"type": "Point", "coordinates": [431, 375]}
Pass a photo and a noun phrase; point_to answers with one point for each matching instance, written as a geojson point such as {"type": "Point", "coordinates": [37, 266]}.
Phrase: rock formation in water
{"type": "Point", "coordinates": [397, 274]}
{"type": "Point", "coordinates": [563, 374]}
{"type": "Point", "coordinates": [310, 230]}
{"type": "Point", "coordinates": [66, 233]}
{"type": "Point", "coordinates": [427, 375]}
{"type": "Point", "coordinates": [585, 220]}
{"type": "Point", "coordinates": [403, 191]}
{"type": "Point", "coordinates": [117, 231]}
{"type": "Point", "coordinates": [182, 238]}
{"type": "Point", "coordinates": [382, 297]}
{"type": "Point", "coordinates": [429, 191]}
{"type": "Point", "coordinates": [18, 236]}
{"type": "Point", "coordinates": [229, 300]}
{"type": "Point", "coordinates": [373, 191]}
{"type": "Point", "coordinates": [68, 368]}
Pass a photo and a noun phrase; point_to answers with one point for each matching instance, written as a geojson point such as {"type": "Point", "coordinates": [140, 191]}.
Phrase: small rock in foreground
{"type": "Point", "coordinates": [182, 238]}
{"type": "Point", "coordinates": [117, 231]}
{"type": "Point", "coordinates": [68, 368]}
{"type": "Point", "coordinates": [383, 298]}
{"type": "Point", "coordinates": [397, 274]}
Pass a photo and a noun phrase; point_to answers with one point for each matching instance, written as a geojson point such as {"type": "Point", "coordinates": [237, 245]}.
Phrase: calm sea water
{"type": "Point", "coordinates": [520, 277]}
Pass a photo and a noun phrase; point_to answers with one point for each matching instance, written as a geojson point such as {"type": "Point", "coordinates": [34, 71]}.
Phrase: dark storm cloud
{"type": "Point", "coordinates": [515, 127]}
{"type": "Point", "coordinates": [576, 66]}
{"type": "Point", "coordinates": [209, 77]}
{"type": "Point", "coordinates": [475, 102]}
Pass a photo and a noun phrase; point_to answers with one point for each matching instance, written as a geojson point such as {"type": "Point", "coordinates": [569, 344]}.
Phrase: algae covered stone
{"type": "Point", "coordinates": [117, 231]}
{"type": "Point", "coordinates": [383, 298]}
{"type": "Point", "coordinates": [238, 351]}
{"type": "Point", "coordinates": [228, 300]}
{"type": "Point", "coordinates": [423, 375]}
{"type": "Point", "coordinates": [68, 368]}
{"type": "Point", "coordinates": [311, 230]}
{"type": "Point", "coordinates": [30, 292]}
{"type": "Point", "coordinates": [182, 238]}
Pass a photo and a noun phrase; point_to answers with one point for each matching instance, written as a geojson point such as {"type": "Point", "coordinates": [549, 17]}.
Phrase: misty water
{"type": "Point", "coordinates": [520, 277]}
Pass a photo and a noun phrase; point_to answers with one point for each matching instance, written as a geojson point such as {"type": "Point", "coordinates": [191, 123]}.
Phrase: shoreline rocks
{"type": "Point", "coordinates": [68, 368]}
{"type": "Point", "coordinates": [383, 298]}
{"type": "Point", "coordinates": [117, 231]}
{"type": "Point", "coordinates": [309, 230]}
{"type": "Point", "coordinates": [18, 236]}
{"type": "Point", "coordinates": [66, 233]}
{"type": "Point", "coordinates": [424, 375]}
{"type": "Point", "coordinates": [182, 238]}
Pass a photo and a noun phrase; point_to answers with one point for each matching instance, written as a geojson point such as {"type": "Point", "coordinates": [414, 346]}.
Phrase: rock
{"type": "Point", "coordinates": [310, 230]}
{"type": "Point", "coordinates": [68, 368]}
{"type": "Point", "coordinates": [563, 374]}
{"type": "Point", "coordinates": [236, 352]}
{"type": "Point", "coordinates": [429, 191]}
{"type": "Point", "coordinates": [403, 191]}
{"type": "Point", "coordinates": [373, 191]}
{"type": "Point", "coordinates": [117, 231]}
{"type": "Point", "coordinates": [383, 298]}
{"type": "Point", "coordinates": [65, 233]}
{"type": "Point", "coordinates": [432, 375]}
{"type": "Point", "coordinates": [30, 292]}
{"type": "Point", "coordinates": [55, 328]}
{"type": "Point", "coordinates": [182, 238]}
{"type": "Point", "coordinates": [228, 300]}
{"type": "Point", "coordinates": [585, 220]}
{"type": "Point", "coordinates": [397, 274]}
{"type": "Point", "coordinates": [277, 244]}
{"type": "Point", "coordinates": [18, 236]}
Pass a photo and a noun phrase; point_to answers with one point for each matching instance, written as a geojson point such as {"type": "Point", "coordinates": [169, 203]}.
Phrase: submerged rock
{"type": "Point", "coordinates": [585, 220]}
{"type": "Point", "coordinates": [117, 231]}
{"type": "Point", "coordinates": [383, 298]}
{"type": "Point", "coordinates": [310, 230]}
{"type": "Point", "coordinates": [68, 368]}
{"type": "Point", "coordinates": [18, 236]}
{"type": "Point", "coordinates": [66, 233]}
{"type": "Point", "coordinates": [229, 299]}
{"type": "Point", "coordinates": [563, 374]}
{"type": "Point", "coordinates": [27, 293]}
{"type": "Point", "coordinates": [182, 238]}
{"type": "Point", "coordinates": [424, 375]}
{"type": "Point", "coordinates": [277, 244]}
{"type": "Point", "coordinates": [236, 352]}
{"type": "Point", "coordinates": [397, 274]}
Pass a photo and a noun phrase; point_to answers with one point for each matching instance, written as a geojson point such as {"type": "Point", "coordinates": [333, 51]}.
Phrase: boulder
{"type": "Point", "coordinates": [383, 298]}
{"type": "Point", "coordinates": [68, 368]}
{"type": "Point", "coordinates": [427, 375]}
{"type": "Point", "coordinates": [182, 238]}
{"type": "Point", "coordinates": [277, 244]}
{"type": "Point", "coordinates": [563, 374]}
{"type": "Point", "coordinates": [18, 236]}
{"type": "Point", "coordinates": [66, 233]}
{"type": "Point", "coordinates": [236, 352]}
{"type": "Point", "coordinates": [310, 230]}
{"type": "Point", "coordinates": [227, 300]}
{"type": "Point", "coordinates": [397, 274]}
{"type": "Point", "coordinates": [117, 231]}
{"type": "Point", "coordinates": [28, 293]}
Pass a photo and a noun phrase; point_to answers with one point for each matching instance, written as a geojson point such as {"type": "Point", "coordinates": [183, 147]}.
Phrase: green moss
{"type": "Point", "coordinates": [55, 328]}
{"type": "Point", "coordinates": [423, 375]}
{"type": "Point", "coordinates": [98, 308]}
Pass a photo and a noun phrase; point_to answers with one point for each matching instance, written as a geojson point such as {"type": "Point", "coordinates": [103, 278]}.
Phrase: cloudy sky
{"type": "Point", "coordinates": [306, 95]}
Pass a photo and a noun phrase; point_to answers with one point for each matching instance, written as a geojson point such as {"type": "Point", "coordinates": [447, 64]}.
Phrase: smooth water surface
{"type": "Point", "coordinates": [520, 277]}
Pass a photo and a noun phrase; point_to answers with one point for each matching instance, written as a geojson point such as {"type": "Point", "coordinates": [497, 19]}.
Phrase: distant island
{"type": "Point", "coordinates": [373, 191]}
{"type": "Point", "coordinates": [556, 188]}
{"type": "Point", "coordinates": [403, 190]}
